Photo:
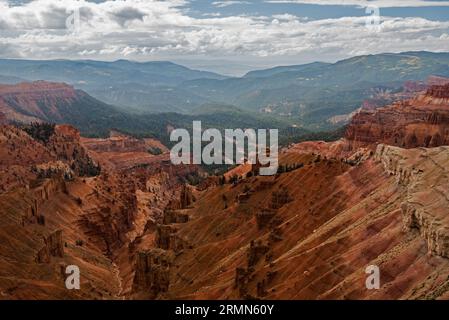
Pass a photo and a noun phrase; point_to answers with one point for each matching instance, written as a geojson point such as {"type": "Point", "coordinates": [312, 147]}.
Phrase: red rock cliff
{"type": "Point", "coordinates": [31, 101]}
{"type": "Point", "coordinates": [419, 122]}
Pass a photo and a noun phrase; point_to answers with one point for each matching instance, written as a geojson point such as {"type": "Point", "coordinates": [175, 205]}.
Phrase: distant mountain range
{"type": "Point", "coordinates": [149, 86]}
{"type": "Point", "coordinates": [304, 95]}
{"type": "Point", "coordinates": [312, 93]}
{"type": "Point", "coordinates": [63, 104]}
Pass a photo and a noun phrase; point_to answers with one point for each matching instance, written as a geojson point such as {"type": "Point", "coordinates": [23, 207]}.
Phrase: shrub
{"type": "Point", "coordinates": [234, 179]}
{"type": "Point", "coordinates": [40, 131]}
{"type": "Point", "coordinates": [154, 151]}
{"type": "Point", "coordinates": [222, 180]}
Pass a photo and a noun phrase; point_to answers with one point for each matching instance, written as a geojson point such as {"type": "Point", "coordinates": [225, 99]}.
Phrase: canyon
{"type": "Point", "coordinates": [138, 230]}
{"type": "Point", "coordinates": [335, 209]}
{"type": "Point", "coordinates": [63, 204]}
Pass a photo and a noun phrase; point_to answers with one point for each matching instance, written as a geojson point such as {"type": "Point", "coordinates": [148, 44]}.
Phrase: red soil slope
{"type": "Point", "coordinates": [61, 207]}
{"type": "Point", "coordinates": [311, 232]}
{"type": "Point", "coordinates": [30, 101]}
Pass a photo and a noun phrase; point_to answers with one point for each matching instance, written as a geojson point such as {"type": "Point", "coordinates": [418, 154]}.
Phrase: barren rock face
{"type": "Point", "coordinates": [388, 210]}
{"type": "Point", "coordinates": [123, 143]}
{"type": "Point", "coordinates": [120, 152]}
{"type": "Point", "coordinates": [53, 247]}
{"type": "Point", "coordinates": [419, 122]}
{"type": "Point", "coordinates": [152, 273]}
{"type": "Point", "coordinates": [310, 233]}
{"type": "Point", "coordinates": [424, 174]}
{"type": "Point", "coordinates": [60, 207]}
{"type": "Point", "coordinates": [24, 101]}
{"type": "Point", "coordinates": [439, 91]}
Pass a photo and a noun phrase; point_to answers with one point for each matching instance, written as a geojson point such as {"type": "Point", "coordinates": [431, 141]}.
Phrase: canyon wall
{"type": "Point", "coordinates": [422, 121]}
{"type": "Point", "coordinates": [424, 175]}
{"type": "Point", "coordinates": [34, 101]}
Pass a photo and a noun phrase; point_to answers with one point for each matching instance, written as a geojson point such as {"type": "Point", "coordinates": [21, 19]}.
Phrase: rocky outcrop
{"type": "Point", "coordinates": [439, 91]}
{"type": "Point", "coordinates": [264, 217]}
{"type": "Point", "coordinates": [241, 280]}
{"type": "Point", "coordinates": [255, 252]}
{"type": "Point", "coordinates": [245, 277]}
{"type": "Point", "coordinates": [65, 142]}
{"type": "Point", "coordinates": [34, 152]}
{"type": "Point", "coordinates": [243, 197]}
{"type": "Point", "coordinates": [122, 143]}
{"type": "Point", "coordinates": [108, 225]}
{"type": "Point", "coordinates": [152, 271]}
{"type": "Point", "coordinates": [393, 163]}
{"type": "Point", "coordinates": [419, 122]}
{"type": "Point", "coordinates": [280, 197]}
{"type": "Point", "coordinates": [32, 215]}
{"type": "Point", "coordinates": [54, 169]}
{"type": "Point", "coordinates": [183, 201]}
{"type": "Point", "coordinates": [53, 247]}
{"type": "Point", "coordinates": [186, 197]}
{"type": "Point", "coordinates": [42, 191]}
{"type": "Point", "coordinates": [434, 232]}
{"type": "Point", "coordinates": [168, 239]}
{"type": "Point", "coordinates": [111, 213]}
{"type": "Point", "coordinates": [174, 216]}
{"type": "Point", "coordinates": [423, 173]}
{"type": "Point", "coordinates": [335, 219]}
{"type": "Point", "coordinates": [45, 189]}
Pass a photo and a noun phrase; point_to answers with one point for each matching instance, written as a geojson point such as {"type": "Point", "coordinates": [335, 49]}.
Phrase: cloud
{"type": "Point", "coordinates": [223, 4]}
{"type": "Point", "coordinates": [366, 3]}
{"type": "Point", "coordinates": [128, 14]}
{"type": "Point", "coordinates": [212, 14]}
{"type": "Point", "coordinates": [150, 29]}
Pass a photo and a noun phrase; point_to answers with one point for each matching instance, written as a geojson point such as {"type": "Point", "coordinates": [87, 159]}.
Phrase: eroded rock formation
{"type": "Point", "coordinates": [153, 271]}
{"type": "Point", "coordinates": [167, 238]}
{"type": "Point", "coordinates": [53, 247]}
{"type": "Point", "coordinates": [103, 215]}
{"type": "Point", "coordinates": [422, 121]}
{"type": "Point", "coordinates": [423, 173]}
{"type": "Point", "coordinates": [439, 91]}
{"type": "Point", "coordinates": [306, 233]}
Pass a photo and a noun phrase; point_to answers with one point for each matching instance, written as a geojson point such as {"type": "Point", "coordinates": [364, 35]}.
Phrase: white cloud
{"type": "Point", "coordinates": [213, 14]}
{"type": "Point", "coordinates": [151, 29]}
{"type": "Point", "coordinates": [227, 3]}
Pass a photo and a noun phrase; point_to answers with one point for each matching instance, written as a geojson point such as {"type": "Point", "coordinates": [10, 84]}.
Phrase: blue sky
{"type": "Point", "coordinates": [313, 11]}
{"type": "Point", "coordinates": [228, 36]}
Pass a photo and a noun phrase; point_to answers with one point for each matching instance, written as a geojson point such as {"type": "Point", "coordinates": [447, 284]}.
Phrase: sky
{"type": "Point", "coordinates": [226, 36]}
